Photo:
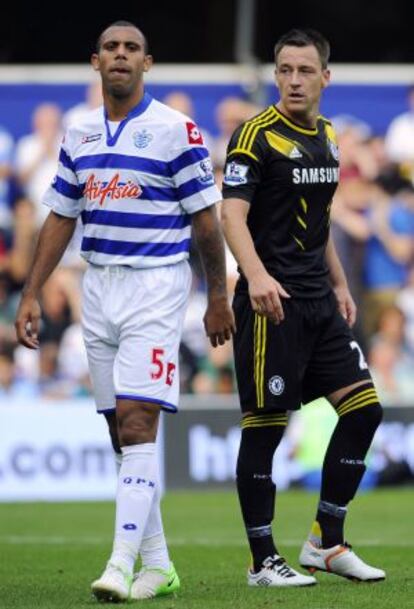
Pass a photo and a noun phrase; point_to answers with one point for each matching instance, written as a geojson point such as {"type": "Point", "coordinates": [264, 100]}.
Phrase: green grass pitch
{"type": "Point", "coordinates": [50, 553]}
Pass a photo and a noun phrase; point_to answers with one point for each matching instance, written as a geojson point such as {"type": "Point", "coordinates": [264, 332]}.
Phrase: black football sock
{"type": "Point", "coordinates": [261, 435]}
{"type": "Point", "coordinates": [343, 468]}
{"type": "Point", "coordinates": [331, 518]}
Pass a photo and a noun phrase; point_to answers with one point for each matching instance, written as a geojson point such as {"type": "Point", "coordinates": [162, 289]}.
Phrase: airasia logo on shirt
{"type": "Point", "coordinates": [194, 135]}
{"type": "Point", "coordinates": [114, 189]}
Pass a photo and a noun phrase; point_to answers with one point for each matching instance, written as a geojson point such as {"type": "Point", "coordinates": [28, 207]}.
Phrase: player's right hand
{"type": "Point", "coordinates": [265, 297]}
{"type": "Point", "coordinates": [219, 321]}
{"type": "Point", "coordinates": [27, 322]}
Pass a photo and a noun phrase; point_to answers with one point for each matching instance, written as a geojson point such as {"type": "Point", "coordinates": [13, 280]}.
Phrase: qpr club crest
{"type": "Point", "coordinates": [142, 138]}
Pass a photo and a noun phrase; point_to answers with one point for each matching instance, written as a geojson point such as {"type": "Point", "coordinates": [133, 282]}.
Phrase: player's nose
{"type": "Point", "coordinates": [121, 51]}
{"type": "Point", "coordinates": [294, 79]}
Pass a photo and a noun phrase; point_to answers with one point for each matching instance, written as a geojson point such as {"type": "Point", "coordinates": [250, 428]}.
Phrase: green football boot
{"type": "Point", "coordinates": [151, 582]}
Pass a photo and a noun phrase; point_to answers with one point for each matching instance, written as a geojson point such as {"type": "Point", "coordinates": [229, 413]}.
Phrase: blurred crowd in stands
{"type": "Point", "coordinates": [372, 223]}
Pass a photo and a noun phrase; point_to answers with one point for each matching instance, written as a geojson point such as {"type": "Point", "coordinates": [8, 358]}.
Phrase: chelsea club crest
{"type": "Point", "coordinates": [276, 385]}
{"type": "Point", "coordinates": [142, 138]}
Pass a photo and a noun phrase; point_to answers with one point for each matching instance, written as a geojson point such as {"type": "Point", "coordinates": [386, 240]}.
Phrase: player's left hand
{"type": "Point", "coordinates": [219, 321]}
{"type": "Point", "coordinates": [346, 304]}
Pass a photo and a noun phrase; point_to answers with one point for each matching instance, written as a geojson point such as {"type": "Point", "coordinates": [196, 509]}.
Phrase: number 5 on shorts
{"type": "Point", "coordinates": [157, 355]}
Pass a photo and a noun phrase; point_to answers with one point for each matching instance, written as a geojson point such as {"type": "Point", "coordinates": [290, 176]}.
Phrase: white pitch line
{"type": "Point", "coordinates": [174, 541]}
{"type": "Point", "coordinates": [52, 540]}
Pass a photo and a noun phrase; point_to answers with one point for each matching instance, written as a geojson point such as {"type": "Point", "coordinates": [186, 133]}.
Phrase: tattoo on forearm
{"type": "Point", "coordinates": [211, 248]}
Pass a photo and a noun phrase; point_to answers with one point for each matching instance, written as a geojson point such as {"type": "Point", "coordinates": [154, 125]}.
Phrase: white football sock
{"type": "Point", "coordinates": [135, 493]}
{"type": "Point", "coordinates": [118, 462]}
{"type": "Point", "coordinates": [154, 551]}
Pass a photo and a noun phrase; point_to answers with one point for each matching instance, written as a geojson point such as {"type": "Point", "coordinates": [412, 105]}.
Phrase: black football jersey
{"type": "Point", "coordinates": [288, 174]}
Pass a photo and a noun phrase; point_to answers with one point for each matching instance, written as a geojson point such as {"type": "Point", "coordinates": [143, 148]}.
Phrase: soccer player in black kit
{"type": "Point", "coordinates": [294, 314]}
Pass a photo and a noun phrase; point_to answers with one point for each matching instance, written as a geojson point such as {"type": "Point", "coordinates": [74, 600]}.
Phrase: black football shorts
{"type": "Point", "coordinates": [312, 353]}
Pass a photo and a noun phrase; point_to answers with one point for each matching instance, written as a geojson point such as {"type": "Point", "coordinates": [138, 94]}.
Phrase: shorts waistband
{"type": "Point", "coordinates": [121, 269]}
{"type": "Point", "coordinates": [115, 269]}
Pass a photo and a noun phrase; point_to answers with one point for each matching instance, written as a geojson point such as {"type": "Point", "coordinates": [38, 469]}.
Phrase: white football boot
{"type": "Point", "coordinates": [340, 560]}
{"type": "Point", "coordinates": [113, 585]}
{"type": "Point", "coordinates": [276, 572]}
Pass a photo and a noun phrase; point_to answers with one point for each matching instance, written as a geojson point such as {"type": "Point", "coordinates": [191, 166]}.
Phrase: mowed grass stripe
{"type": "Point", "coordinates": [181, 541]}
{"type": "Point", "coordinates": [208, 547]}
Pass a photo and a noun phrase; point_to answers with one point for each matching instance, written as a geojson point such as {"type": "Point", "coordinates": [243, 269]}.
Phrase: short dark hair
{"type": "Point", "coordinates": [121, 23]}
{"type": "Point", "coordinates": [305, 38]}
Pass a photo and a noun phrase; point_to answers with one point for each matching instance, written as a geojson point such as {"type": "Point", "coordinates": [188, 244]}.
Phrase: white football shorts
{"type": "Point", "coordinates": [132, 322]}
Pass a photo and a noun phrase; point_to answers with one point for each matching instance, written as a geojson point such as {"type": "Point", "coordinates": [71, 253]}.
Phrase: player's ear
{"type": "Point", "coordinates": [148, 61]}
{"type": "Point", "coordinates": [326, 77]}
{"type": "Point", "coordinates": [95, 61]}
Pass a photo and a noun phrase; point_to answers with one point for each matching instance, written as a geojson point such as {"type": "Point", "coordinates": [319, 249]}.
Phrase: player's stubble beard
{"type": "Point", "coordinates": [309, 110]}
{"type": "Point", "coordinates": [121, 91]}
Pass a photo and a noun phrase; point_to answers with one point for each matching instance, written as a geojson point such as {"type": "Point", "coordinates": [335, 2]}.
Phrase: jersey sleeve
{"type": "Point", "coordinates": [64, 194]}
{"type": "Point", "coordinates": [192, 169]}
{"type": "Point", "coordinates": [244, 166]}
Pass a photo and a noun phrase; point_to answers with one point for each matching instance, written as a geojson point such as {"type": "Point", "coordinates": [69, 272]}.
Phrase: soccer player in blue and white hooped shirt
{"type": "Point", "coordinates": [138, 174]}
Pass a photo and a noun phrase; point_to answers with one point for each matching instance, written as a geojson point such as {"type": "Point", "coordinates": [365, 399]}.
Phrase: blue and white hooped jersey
{"type": "Point", "coordinates": [135, 189]}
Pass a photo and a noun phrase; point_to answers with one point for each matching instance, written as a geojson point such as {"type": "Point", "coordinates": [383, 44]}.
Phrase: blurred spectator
{"type": "Point", "coordinates": [11, 386]}
{"type": "Point", "coordinates": [71, 257]}
{"type": "Point", "coordinates": [180, 101]}
{"type": "Point", "coordinates": [348, 223]}
{"type": "Point", "coordinates": [50, 381]}
{"type": "Point", "coordinates": [27, 362]}
{"type": "Point", "coordinates": [216, 372]}
{"type": "Point", "coordinates": [59, 364]}
{"type": "Point", "coordinates": [390, 246]}
{"type": "Point", "coordinates": [6, 207]}
{"type": "Point", "coordinates": [399, 139]}
{"type": "Point", "coordinates": [392, 374]}
{"type": "Point", "coordinates": [392, 330]}
{"type": "Point", "coordinates": [73, 361]}
{"type": "Point", "coordinates": [350, 231]}
{"type": "Point", "coordinates": [37, 155]}
{"type": "Point", "coordinates": [405, 301]}
{"type": "Point", "coordinates": [13, 267]}
{"type": "Point", "coordinates": [355, 157]}
{"type": "Point", "coordinates": [60, 305]}
{"type": "Point", "coordinates": [20, 255]}
{"type": "Point", "coordinates": [93, 99]}
{"type": "Point", "coordinates": [376, 149]}
{"type": "Point", "coordinates": [53, 383]}
{"type": "Point", "coordinates": [231, 112]}
{"type": "Point", "coordinates": [8, 307]}
{"type": "Point", "coordinates": [225, 382]}
{"type": "Point", "coordinates": [391, 326]}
